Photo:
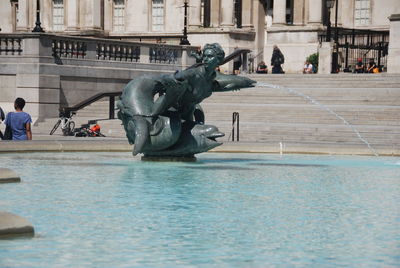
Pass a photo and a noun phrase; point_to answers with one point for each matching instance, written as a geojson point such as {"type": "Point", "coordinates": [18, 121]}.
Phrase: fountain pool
{"type": "Point", "coordinates": [257, 210]}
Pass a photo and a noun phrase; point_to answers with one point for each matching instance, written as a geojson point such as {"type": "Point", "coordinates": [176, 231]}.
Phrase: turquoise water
{"type": "Point", "coordinates": [225, 210]}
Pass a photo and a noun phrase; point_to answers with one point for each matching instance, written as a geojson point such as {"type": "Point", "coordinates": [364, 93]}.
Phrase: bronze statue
{"type": "Point", "coordinates": [172, 125]}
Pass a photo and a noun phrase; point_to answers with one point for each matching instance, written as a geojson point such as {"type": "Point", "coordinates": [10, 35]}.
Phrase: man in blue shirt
{"type": "Point", "coordinates": [19, 121]}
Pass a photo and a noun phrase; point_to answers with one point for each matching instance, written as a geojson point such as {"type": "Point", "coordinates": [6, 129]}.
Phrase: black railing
{"type": "Point", "coordinates": [68, 110]}
{"type": "Point", "coordinates": [163, 55]}
{"type": "Point", "coordinates": [365, 44]}
{"type": "Point", "coordinates": [235, 120]}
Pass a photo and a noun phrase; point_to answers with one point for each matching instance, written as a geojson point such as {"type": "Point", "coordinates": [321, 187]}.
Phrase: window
{"type": "Point", "coordinates": [158, 15]}
{"type": "Point", "coordinates": [289, 11]}
{"type": "Point", "coordinates": [205, 13]}
{"type": "Point", "coordinates": [58, 15]}
{"type": "Point", "coordinates": [119, 16]}
{"type": "Point", "coordinates": [238, 13]}
{"type": "Point", "coordinates": [362, 12]}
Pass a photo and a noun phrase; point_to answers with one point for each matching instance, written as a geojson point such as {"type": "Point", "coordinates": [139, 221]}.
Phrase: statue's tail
{"type": "Point", "coordinates": [140, 126]}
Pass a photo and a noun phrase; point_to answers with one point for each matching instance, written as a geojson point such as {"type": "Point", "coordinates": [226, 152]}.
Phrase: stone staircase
{"type": "Point", "coordinates": [369, 103]}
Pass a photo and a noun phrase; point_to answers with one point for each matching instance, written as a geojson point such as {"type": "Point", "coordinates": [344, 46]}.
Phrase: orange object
{"type": "Point", "coordinates": [95, 128]}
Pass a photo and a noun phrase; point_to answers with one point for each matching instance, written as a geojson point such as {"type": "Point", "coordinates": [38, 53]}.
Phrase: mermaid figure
{"type": "Point", "coordinates": [172, 124]}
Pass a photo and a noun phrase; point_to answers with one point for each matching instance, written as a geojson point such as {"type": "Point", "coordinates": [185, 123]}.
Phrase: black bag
{"type": "Point", "coordinates": [7, 134]}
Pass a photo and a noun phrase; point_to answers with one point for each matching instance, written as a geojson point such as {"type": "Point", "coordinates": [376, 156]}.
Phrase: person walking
{"type": "Point", "coordinates": [237, 63]}
{"type": "Point", "coordinates": [19, 121]}
{"type": "Point", "coordinates": [2, 116]}
{"type": "Point", "coordinates": [276, 60]}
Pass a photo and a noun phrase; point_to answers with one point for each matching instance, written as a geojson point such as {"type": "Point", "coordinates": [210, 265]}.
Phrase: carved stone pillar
{"type": "Point", "coordinates": [298, 9]}
{"type": "Point", "coordinates": [91, 15]}
{"type": "Point", "coordinates": [194, 12]}
{"type": "Point", "coordinates": [279, 12]}
{"type": "Point", "coordinates": [23, 16]}
{"type": "Point", "coordinates": [108, 16]}
{"type": "Point", "coordinates": [72, 8]}
{"type": "Point", "coordinates": [247, 12]}
{"type": "Point", "coordinates": [227, 12]}
{"type": "Point", "coordinates": [136, 16]}
{"type": "Point", "coordinates": [315, 11]}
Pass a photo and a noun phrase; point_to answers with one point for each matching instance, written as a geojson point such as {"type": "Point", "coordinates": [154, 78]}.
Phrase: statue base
{"type": "Point", "coordinates": [186, 158]}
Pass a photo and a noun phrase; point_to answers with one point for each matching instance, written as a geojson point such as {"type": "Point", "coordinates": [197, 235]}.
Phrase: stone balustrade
{"type": "Point", "coordinates": [70, 47]}
{"type": "Point", "coordinates": [52, 71]}
{"type": "Point", "coordinates": [10, 45]}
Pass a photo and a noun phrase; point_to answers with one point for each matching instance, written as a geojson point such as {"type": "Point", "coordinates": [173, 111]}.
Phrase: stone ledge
{"type": "Point", "coordinates": [394, 17]}
{"type": "Point", "coordinates": [7, 176]}
{"type": "Point", "coordinates": [14, 225]}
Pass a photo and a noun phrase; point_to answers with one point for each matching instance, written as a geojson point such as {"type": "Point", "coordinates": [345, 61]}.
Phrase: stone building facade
{"type": "Point", "coordinates": [294, 25]}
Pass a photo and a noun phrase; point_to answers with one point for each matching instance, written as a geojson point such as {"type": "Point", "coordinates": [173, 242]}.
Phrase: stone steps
{"type": "Point", "coordinates": [370, 103]}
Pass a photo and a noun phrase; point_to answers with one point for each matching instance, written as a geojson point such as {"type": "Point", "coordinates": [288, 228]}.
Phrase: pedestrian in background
{"type": "Point", "coordinates": [359, 66]}
{"type": "Point", "coordinates": [277, 60]}
{"type": "Point", "coordinates": [1, 120]}
{"type": "Point", "coordinates": [19, 121]}
{"type": "Point", "coordinates": [262, 68]}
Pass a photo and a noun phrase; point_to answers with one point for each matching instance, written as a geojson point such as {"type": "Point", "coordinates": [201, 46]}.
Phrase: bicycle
{"type": "Point", "coordinates": [67, 125]}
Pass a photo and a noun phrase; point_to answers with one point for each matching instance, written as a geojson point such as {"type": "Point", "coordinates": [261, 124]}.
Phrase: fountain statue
{"type": "Point", "coordinates": [162, 115]}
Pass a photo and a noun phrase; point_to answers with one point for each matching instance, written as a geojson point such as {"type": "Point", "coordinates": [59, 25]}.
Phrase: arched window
{"type": "Point", "coordinates": [157, 15]}
{"type": "Point", "coordinates": [362, 12]}
{"type": "Point", "coordinates": [58, 15]}
{"type": "Point", "coordinates": [119, 15]}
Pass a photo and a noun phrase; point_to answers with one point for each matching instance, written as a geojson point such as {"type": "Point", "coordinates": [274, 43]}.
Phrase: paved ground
{"type": "Point", "coordinates": [58, 143]}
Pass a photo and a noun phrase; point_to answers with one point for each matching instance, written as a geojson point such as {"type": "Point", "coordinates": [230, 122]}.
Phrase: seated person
{"type": "Point", "coordinates": [359, 66]}
{"type": "Point", "coordinates": [262, 68]}
{"type": "Point", "coordinates": [308, 68]}
{"type": "Point", "coordinates": [371, 67]}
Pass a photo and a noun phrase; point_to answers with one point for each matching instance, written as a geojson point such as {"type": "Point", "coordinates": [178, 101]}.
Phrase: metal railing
{"type": "Point", "coordinates": [94, 98]}
{"type": "Point", "coordinates": [235, 120]}
{"type": "Point", "coordinates": [355, 43]}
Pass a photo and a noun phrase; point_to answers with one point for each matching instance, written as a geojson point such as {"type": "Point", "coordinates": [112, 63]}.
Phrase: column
{"type": "Point", "coordinates": [194, 12]}
{"type": "Point", "coordinates": [23, 22]}
{"type": "Point", "coordinates": [315, 11]}
{"type": "Point", "coordinates": [108, 16]}
{"type": "Point", "coordinates": [279, 12]}
{"type": "Point", "coordinates": [247, 12]}
{"type": "Point", "coordinates": [91, 15]}
{"type": "Point", "coordinates": [95, 14]}
{"type": "Point", "coordinates": [72, 13]}
{"type": "Point", "coordinates": [298, 10]}
{"type": "Point", "coordinates": [393, 63]}
{"type": "Point", "coordinates": [137, 16]}
{"type": "Point", "coordinates": [45, 14]}
{"type": "Point", "coordinates": [227, 12]}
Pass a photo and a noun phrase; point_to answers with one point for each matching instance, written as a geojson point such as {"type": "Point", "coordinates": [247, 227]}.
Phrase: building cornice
{"type": "Point", "coordinates": [394, 17]}
{"type": "Point", "coordinates": [295, 28]}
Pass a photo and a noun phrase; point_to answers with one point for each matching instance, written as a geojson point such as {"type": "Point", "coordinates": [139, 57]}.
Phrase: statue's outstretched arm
{"type": "Point", "coordinates": [226, 82]}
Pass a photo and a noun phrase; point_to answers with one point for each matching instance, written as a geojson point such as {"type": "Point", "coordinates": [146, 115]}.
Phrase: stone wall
{"type": "Point", "coordinates": [394, 45]}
